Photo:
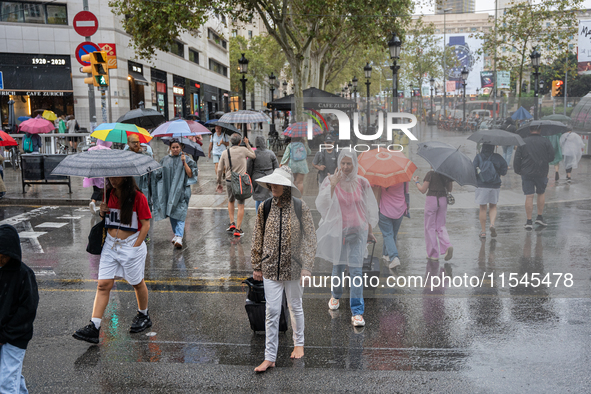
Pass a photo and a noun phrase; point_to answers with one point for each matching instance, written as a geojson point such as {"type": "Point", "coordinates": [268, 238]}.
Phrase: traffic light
{"type": "Point", "coordinates": [98, 68]}
{"type": "Point", "coordinates": [557, 88]}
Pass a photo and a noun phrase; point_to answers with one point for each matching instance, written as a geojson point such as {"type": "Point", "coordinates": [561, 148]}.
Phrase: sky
{"type": "Point", "coordinates": [488, 6]}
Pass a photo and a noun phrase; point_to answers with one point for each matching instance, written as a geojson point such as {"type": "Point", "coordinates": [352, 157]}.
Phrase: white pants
{"type": "Point", "coordinates": [274, 296]}
{"type": "Point", "coordinates": [120, 258]}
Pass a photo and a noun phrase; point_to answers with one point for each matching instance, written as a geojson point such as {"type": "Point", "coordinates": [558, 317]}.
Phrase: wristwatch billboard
{"type": "Point", "coordinates": [464, 55]}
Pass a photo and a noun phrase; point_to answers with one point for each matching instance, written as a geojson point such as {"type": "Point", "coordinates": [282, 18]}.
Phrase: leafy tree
{"type": "Point", "coordinates": [546, 25]}
{"type": "Point", "coordinates": [309, 32]}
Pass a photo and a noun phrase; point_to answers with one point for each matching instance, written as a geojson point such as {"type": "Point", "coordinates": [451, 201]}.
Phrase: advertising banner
{"type": "Point", "coordinates": [487, 79]}
{"type": "Point", "coordinates": [503, 79]}
{"type": "Point", "coordinates": [584, 55]}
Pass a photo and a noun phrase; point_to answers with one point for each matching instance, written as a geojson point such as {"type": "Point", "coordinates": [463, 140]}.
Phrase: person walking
{"type": "Point", "coordinates": [325, 160]}
{"type": "Point", "coordinates": [97, 184]}
{"type": "Point", "coordinates": [127, 221]}
{"type": "Point", "coordinates": [238, 155]}
{"type": "Point", "coordinates": [19, 298]}
{"type": "Point", "coordinates": [172, 190]}
{"type": "Point", "coordinates": [282, 256]}
{"type": "Point", "coordinates": [295, 156]}
{"type": "Point", "coordinates": [555, 141]}
{"type": "Point", "coordinates": [2, 185]}
{"type": "Point", "coordinates": [144, 182]}
{"type": "Point", "coordinates": [393, 207]}
{"type": "Point", "coordinates": [436, 237]}
{"type": "Point", "coordinates": [72, 126]}
{"type": "Point", "coordinates": [264, 164]}
{"type": "Point", "coordinates": [217, 145]}
{"type": "Point", "coordinates": [532, 161]}
{"type": "Point", "coordinates": [489, 167]}
{"type": "Point", "coordinates": [572, 150]}
{"type": "Point", "coordinates": [349, 213]}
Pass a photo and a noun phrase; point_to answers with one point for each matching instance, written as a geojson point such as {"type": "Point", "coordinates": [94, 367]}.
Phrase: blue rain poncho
{"type": "Point", "coordinates": [171, 188]}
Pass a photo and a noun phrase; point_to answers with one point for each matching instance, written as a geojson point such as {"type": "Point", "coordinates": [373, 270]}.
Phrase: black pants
{"type": "Point", "coordinates": [97, 194]}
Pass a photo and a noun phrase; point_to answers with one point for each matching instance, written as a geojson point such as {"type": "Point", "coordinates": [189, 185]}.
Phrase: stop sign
{"type": "Point", "coordinates": [85, 23]}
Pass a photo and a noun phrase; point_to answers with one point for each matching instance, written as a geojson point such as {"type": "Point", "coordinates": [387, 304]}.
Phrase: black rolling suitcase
{"type": "Point", "coordinates": [255, 307]}
{"type": "Point", "coordinates": [371, 265]}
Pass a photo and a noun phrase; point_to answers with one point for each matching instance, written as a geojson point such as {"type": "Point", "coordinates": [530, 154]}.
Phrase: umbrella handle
{"type": "Point", "coordinates": [105, 190]}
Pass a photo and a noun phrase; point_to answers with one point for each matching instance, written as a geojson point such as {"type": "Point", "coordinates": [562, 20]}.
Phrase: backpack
{"type": "Point", "coordinates": [28, 143]}
{"type": "Point", "coordinates": [241, 184]}
{"type": "Point", "coordinates": [487, 173]}
{"type": "Point", "coordinates": [297, 206]}
{"type": "Point", "coordinates": [298, 151]}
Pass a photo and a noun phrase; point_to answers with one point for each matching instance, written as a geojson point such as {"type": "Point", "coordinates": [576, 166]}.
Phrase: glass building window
{"type": "Point", "coordinates": [218, 68]}
{"type": "Point", "coordinates": [194, 56]}
{"type": "Point", "coordinates": [217, 39]}
{"type": "Point", "coordinates": [12, 11]}
{"type": "Point", "coordinates": [177, 48]}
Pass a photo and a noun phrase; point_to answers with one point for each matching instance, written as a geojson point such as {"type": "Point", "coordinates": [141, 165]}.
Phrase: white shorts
{"type": "Point", "coordinates": [120, 258]}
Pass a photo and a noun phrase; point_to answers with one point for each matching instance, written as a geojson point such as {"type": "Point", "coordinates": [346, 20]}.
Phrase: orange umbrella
{"type": "Point", "coordinates": [385, 168]}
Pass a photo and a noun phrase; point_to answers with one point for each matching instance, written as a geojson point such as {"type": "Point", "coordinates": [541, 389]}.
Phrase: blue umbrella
{"type": "Point", "coordinates": [521, 114]}
{"type": "Point", "coordinates": [211, 122]}
{"type": "Point", "coordinates": [23, 118]}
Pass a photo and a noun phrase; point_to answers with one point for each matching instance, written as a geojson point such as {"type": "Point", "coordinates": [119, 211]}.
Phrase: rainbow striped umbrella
{"type": "Point", "coordinates": [118, 132]}
{"type": "Point", "coordinates": [300, 129]}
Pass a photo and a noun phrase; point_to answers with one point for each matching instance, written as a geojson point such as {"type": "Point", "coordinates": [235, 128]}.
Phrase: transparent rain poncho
{"type": "Point", "coordinates": [346, 215]}
{"type": "Point", "coordinates": [572, 149]}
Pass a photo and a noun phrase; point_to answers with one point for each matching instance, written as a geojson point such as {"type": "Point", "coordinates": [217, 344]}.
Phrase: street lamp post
{"type": "Point", "coordinates": [350, 86]}
{"type": "Point", "coordinates": [464, 78]}
{"type": "Point", "coordinates": [445, 11]}
{"type": "Point", "coordinates": [284, 88]}
{"type": "Point", "coordinates": [394, 45]}
{"type": "Point", "coordinates": [243, 68]}
{"type": "Point", "coordinates": [272, 83]}
{"type": "Point", "coordinates": [411, 94]}
{"type": "Point", "coordinates": [432, 83]}
{"type": "Point", "coordinates": [535, 62]}
{"type": "Point", "coordinates": [367, 71]}
{"type": "Point", "coordinates": [354, 81]}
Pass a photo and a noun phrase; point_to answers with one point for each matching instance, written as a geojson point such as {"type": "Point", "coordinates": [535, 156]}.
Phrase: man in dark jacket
{"type": "Point", "coordinates": [18, 306]}
{"type": "Point", "coordinates": [531, 162]}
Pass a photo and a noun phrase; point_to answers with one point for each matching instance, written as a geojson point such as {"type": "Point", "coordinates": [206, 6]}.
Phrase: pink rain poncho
{"type": "Point", "coordinates": [572, 149]}
{"type": "Point", "coordinates": [98, 182]}
{"type": "Point", "coordinates": [350, 210]}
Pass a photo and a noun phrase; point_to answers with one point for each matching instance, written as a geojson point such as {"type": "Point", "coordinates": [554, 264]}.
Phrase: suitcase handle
{"type": "Point", "coordinates": [373, 248]}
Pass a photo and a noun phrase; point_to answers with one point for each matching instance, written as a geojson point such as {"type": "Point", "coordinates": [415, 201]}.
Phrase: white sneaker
{"type": "Point", "coordinates": [178, 243]}
{"type": "Point", "coordinates": [93, 208]}
{"type": "Point", "coordinates": [358, 321]}
{"type": "Point", "coordinates": [386, 257]}
{"type": "Point", "coordinates": [395, 263]}
{"type": "Point", "coordinates": [333, 304]}
{"type": "Point", "coordinates": [173, 239]}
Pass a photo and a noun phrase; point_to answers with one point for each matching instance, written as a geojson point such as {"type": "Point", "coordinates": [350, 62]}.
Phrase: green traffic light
{"type": "Point", "coordinates": [101, 80]}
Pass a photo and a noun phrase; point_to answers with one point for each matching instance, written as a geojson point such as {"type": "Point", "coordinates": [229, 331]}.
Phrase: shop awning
{"type": "Point", "coordinates": [138, 78]}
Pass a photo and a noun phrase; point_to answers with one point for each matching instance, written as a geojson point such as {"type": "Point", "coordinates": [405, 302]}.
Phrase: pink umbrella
{"type": "Point", "coordinates": [197, 128]}
{"type": "Point", "coordinates": [37, 125]}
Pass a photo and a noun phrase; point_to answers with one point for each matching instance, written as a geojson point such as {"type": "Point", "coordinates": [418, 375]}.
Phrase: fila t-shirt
{"type": "Point", "coordinates": [141, 211]}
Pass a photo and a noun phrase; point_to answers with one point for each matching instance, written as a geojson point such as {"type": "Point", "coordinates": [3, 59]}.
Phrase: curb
{"type": "Point", "coordinates": [43, 201]}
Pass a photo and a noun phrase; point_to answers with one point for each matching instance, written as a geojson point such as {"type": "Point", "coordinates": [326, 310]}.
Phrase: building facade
{"type": "Point", "coordinates": [456, 6]}
{"type": "Point", "coordinates": [40, 69]}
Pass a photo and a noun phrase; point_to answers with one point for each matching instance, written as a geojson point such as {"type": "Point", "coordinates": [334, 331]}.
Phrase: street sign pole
{"type": "Point", "coordinates": [91, 102]}
{"type": "Point", "coordinates": [104, 104]}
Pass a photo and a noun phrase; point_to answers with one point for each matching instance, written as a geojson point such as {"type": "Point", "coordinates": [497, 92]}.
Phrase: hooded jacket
{"type": "Point", "coordinates": [533, 158]}
{"type": "Point", "coordinates": [488, 153]}
{"type": "Point", "coordinates": [18, 292]}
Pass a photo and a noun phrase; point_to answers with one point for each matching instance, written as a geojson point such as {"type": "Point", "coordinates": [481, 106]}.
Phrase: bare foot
{"type": "Point", "coordinates": [298, 352]}
{"type": "Point", "coordinates": [266, 364]}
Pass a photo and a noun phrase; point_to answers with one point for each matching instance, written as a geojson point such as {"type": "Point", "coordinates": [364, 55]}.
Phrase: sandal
{"type": "Point", "coordinates": [482, 235]}
{"type": "Point", "coordinates": [493, 231]}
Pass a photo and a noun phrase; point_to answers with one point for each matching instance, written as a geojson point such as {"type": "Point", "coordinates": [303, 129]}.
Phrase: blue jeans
{"type": "Point", "coordinates": [178, 227]}
{"type": "Point", "coordinates": [352, 252]}
{"type": "Point", "coordinates": [508, 153]}
{"type": "Point", "coordinates": [11, 366]}
{"type": "Point", "coordinates": [389, 228]}
{"type": "Point", "coordinates": [256, 204]}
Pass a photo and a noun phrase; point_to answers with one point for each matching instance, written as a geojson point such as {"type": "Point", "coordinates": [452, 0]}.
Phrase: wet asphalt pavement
{"type": "Point", "coordinates": [497, 334]}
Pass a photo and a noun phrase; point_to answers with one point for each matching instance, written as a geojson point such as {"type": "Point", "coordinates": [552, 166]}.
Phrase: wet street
{"type": "Point", "coordinates": [492, 328]}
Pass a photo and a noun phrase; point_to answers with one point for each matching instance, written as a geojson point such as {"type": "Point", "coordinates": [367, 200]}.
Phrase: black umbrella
{"type": "Point", "coordinates": [227, 128]}
{"type": "Point", "coordinates": [147, 118]}
{"type": "Point", "coordinates": [193, 117]}
{"type": "Point", "coordinates": [549, 127]}
{"type": "Point", "coordinates": [496, 137]}
{"type": "Point", "coordinates": [449, 161]}
{"type": "Point", "coordinates": [190, 147]}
